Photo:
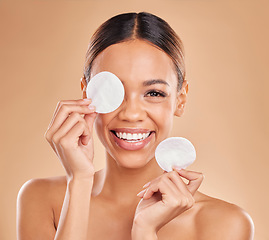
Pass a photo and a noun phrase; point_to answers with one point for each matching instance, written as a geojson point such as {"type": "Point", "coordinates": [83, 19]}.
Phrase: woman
{"type": "Point", "coordinates": [147, 56]}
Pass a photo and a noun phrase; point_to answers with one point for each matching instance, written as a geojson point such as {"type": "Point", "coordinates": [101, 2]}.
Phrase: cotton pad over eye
{"type": "Point", "coordinates": [175, 151]}
{"type": "Point", "coordinates": [106, 91]}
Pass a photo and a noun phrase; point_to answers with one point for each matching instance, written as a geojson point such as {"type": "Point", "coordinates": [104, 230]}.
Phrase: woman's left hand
{"type": "Point", "coordinates": [166, 197]}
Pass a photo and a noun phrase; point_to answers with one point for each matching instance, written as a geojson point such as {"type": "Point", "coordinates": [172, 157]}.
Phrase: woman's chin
{"type": "Point", "coordinates": [131, 161]}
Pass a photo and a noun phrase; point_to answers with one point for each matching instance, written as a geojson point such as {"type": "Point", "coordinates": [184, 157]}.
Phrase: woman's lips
{"type": "Point", "coordinates": [131, 146]}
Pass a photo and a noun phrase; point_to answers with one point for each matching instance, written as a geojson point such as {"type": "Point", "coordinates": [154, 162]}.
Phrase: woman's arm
{"type": "Point", "coordinates": [141, 233]}
{"type": "Point", "coordinates": [35, 215]}
{"type": "Point", "coordinates": [70, 136]}
{"type": "Point", "coordinates": [74, 217]}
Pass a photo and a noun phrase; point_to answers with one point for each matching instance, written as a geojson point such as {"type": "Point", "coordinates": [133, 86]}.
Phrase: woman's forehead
{"type": "Point", "coordinates": [135, 59]}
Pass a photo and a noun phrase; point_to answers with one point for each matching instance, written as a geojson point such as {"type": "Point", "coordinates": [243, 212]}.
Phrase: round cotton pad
{"type": "Point", "coordinates": [106, 91]}
{"type": "Point", "coordinates": [175, 151]}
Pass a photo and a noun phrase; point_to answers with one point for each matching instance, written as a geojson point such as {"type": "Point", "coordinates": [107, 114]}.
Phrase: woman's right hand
{"type": "Point", "coordinates": [70, 136]}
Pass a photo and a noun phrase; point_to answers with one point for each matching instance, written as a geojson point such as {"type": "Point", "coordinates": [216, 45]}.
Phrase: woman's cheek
{"type": "Point", "coordinates": [162, 115]}
{"type": "Point", "coordinates": [100, 126]}
{"type": "Point", "coordinates": [165, 109]}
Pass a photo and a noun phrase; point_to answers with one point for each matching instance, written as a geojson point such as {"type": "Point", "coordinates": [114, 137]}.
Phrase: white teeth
{"type": "Point", "coordinates": [129, 136]}
{"type": "Point", "coordinates": [132, 137]}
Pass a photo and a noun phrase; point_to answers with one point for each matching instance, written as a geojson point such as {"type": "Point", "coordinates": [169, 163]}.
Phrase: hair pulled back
{"type": "Point", "coordinates": [131, 26]}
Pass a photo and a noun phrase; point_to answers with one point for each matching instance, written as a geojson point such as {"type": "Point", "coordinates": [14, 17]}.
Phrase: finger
{"type": "Point", "coordinates": [195, 179]}
{"type": "Point", "coordinates": [141, 194]}
{"type": "Point", "coordinates": [165, 187]}
{"type": "Point", "coordinates": [148, 183]}
{"type": "Point", "coordinates": [63, 114]}
{"type": "Point", "coordinates": [75, 102]}
{"type": "Point", "coordinates": [67, 126]}
{"type": "Point", "coordinates": [178, 182]}
{"type": "Point", "coordinates": [90, 118]}
{"type": "Point", "coordinates": [178, 191]}
{"type": "Point", "coordinates": [71, 138]}
{"type": "Point", "coordinates": [85, 101]}
{"type": "Point", "coordinates": [81, 101]}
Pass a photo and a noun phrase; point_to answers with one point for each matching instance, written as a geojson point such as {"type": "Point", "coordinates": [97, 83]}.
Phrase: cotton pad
{"type": "Point", "coordinates": [106, 91]}
{"type": "Point", "coordinates": [175, 151]}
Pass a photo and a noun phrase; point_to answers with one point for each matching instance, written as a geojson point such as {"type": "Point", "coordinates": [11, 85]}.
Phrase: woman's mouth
{"type": "Point", "coordinates": [134, 140]}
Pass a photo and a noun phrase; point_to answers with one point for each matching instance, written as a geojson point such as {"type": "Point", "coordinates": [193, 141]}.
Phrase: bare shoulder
{"type": "Point", "coordinates": [43, 188]}
{"type": "Point", "coordinates": [41, 193]}
{"type": "Point", "coordinates": [218, 219]}
{"type": "Point", "coordinates": [35, 207]}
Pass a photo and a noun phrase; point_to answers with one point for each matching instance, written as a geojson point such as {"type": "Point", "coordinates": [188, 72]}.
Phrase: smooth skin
{"type": "Point", "coordinates": [132, 197]}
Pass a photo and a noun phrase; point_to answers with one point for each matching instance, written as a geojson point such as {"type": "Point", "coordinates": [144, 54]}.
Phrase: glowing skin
{"type": "Point", "coordinates": [107, 205]}
{"type": "Point", "coordinates": [148, 106]}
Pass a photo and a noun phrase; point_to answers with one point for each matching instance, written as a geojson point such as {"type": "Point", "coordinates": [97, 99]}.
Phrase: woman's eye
{"type": "Point", "coordinates": [156, 94]}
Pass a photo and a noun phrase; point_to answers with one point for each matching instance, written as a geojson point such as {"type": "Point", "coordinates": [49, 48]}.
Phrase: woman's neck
{"type": "Point", "coordinates": [120, 185]}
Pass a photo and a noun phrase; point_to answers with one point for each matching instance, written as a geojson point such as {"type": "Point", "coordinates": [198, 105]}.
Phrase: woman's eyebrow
{"type": "Point", "coordinates": [154, 81]}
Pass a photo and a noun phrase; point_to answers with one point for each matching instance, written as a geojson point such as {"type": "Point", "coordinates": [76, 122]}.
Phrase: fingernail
{"type": "Point", "coordinates": [146, 185]}
{"type": "Point", "coordinates": [91, 107]}
{"type": "Point", "coordinates": [141, 193]}
{"type": "Point", "coordinates": [146, 190]}
{"type": "Point", "coordinates": [86, 99]}
{"type": "Point", "coordinates": [177, 168]}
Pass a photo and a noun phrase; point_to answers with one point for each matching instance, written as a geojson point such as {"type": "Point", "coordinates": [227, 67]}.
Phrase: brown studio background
{"type": "Point", "coordinates": [43, 45]}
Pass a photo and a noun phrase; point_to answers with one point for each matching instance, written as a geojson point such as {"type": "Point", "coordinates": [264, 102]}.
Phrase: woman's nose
{"type": "Point", "coordinates": [132, 110]}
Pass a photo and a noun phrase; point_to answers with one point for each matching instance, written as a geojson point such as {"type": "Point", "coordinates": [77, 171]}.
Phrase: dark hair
{"type": "Point", "coordinates": [130, 26]}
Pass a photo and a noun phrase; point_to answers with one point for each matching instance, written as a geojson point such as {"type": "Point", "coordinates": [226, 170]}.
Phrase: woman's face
{"type": "Point", "coordinates": [132, 132]}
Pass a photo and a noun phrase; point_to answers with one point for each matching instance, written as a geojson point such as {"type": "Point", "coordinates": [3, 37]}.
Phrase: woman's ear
{"type": "Point", "coordinates": [181, 99]}
{"type": "Point", "coordinates": [83, 85]}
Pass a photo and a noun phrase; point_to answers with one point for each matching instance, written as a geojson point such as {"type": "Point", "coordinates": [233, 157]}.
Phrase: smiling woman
{"type": "Point", "coordinates": [147, 56]}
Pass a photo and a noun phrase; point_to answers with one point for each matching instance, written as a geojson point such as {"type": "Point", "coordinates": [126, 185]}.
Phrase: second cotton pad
{"type": "Point", "coordinates": [106, 91]}
{"type": "Point", "coordinates": [175, 151]}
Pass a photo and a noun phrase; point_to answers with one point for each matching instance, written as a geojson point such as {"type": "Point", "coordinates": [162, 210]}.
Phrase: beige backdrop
{"type": "Point", "coordinates": [43, 45]}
